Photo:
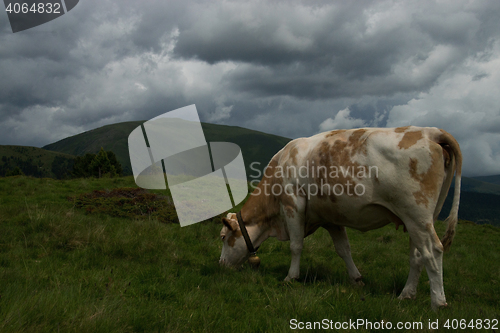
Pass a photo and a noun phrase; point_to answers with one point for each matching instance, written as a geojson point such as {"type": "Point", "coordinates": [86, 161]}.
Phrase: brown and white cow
{"type": "Point", "coordinates": [407, 174]}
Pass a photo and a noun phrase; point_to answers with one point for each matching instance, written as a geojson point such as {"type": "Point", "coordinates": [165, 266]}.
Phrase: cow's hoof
{"type": "Point", "coordinates": [358, 281]}
{"type": "Point", "coordinates": [405, 294]}
{"type": "Point", "coordinates": [437, 307]}
{"type": "Point", "coordinates": [401, 297]}
{"type": "Point", "coordinates": [290, 279]}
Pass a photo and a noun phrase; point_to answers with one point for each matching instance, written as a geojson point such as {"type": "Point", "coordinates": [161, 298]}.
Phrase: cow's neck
{"type": "Point", "coordinates": [261, 212]}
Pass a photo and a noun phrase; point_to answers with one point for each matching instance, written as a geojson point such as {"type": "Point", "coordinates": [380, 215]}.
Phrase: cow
{"type": "Point", "coordinates": [394, 175]}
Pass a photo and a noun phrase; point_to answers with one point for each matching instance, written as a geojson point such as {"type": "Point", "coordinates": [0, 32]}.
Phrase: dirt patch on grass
{"type": "Point", "coordinates": [127, 202]}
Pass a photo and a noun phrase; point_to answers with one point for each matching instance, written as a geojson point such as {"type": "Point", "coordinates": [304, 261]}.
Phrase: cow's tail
{"type": "Point", "coordinates": [450, 145]}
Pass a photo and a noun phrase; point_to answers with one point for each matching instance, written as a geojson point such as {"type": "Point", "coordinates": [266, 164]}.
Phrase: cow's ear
{"type": "Point", "coordinates": [227, 223]}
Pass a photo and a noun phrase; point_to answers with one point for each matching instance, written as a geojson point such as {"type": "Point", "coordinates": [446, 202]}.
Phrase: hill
{"type": "Point", "coordinates": [110, 137]}
{"type": "Point", "coordinates": [482, 208]}
{"type": "Point", "coordinates": [256, 146]}
{"type": "Point", "coordinates": [33, 161]}
{"type": "Point", "coordinates": [478, 186]}
{"type": "Point", "coordinates": [495, 179]}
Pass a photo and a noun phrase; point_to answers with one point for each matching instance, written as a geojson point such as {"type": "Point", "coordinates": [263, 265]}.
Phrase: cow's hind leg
{"type": "Point", "coordinates": [427, 242]}
{"type": "Point", "coordinates": [343, 248]}
{"type": "Point", "coordinates": [416, 265]}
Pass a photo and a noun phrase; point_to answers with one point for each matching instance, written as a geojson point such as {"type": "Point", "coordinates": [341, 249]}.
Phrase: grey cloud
{"type": "Point", "coordinates": [478, 77]}
{"type": "Point", "coordinates": [491, 125]}
{"type": "Point", "coordinates": [323, 52]}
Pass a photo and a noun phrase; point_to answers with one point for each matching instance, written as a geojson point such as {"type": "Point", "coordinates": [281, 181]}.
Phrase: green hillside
{"type": "Point", "coordinates": [482, 208]}
{"type": "Point", "coordinates": [110, 137]}
{"type": "Point", "coordinates": [495, 179]}
{"type": "Point", "coordinates": [478, 186]}
{"type": "Point", "coordinates": [32, 161]}
{"type": "Point", "coordinates": [256, 146]}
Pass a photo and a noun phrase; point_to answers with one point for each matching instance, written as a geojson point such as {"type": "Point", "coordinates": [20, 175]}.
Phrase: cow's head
{"type": "Point", "coordinates": [234, 249]}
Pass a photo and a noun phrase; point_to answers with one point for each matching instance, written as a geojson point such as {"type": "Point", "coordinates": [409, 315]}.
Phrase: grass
{"type": "Point", "coordinates": [64, 270]}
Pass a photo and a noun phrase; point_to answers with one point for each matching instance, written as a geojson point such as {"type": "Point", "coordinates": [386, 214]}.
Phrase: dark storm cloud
{"type": "Point", "coordinates": [293, 42]}
{"type": "Point", "coordinates": [336, 49]}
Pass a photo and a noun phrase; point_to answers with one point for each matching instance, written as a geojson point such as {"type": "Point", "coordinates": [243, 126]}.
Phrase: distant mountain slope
{"type": "Point", "coordinates": [475, 185]}
{"type": "Point", "coordinates": [32, 161]}
{"type": "Point", "coordinates": [256, 146]}
{"type": "Point", "coordinates": [110, 137]}
{"type": "Point", "coordinates": [489, 179]}
{"type": "Point", "coordinates": [477, 207]}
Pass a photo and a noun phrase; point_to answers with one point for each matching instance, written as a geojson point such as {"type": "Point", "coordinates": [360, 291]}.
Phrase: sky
{"type": "Point", "coordinates": [290, 68]}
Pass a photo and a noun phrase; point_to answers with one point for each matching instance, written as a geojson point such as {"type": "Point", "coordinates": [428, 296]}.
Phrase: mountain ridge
{"type": "Point", "coordinates": [256, 146]}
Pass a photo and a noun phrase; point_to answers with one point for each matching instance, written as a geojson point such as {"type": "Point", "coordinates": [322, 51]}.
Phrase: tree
{"type": "Point", "coordinates": [81, 167]}
{"type": "Point", "coordinates": [114, 162]}
{"type": "Point", "coordinates": [15, 172]}
{"type": "Point", "coordinates": [61, 166]}
{"type": "Point", "coordinates": [97, 165]}
{"type": "Point", "coordinates": [100, 165]}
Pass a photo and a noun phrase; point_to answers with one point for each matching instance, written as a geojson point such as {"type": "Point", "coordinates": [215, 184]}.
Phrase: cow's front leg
{"type": "Point", "coordinates": [295, 224]}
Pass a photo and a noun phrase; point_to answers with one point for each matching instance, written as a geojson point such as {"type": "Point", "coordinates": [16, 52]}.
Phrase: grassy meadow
{"type": "Point", "coordinates": [63, 269]}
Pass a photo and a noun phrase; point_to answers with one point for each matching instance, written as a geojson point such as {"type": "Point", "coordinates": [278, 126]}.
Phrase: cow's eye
{"type": "Point", "coordinates": [222, 237]}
